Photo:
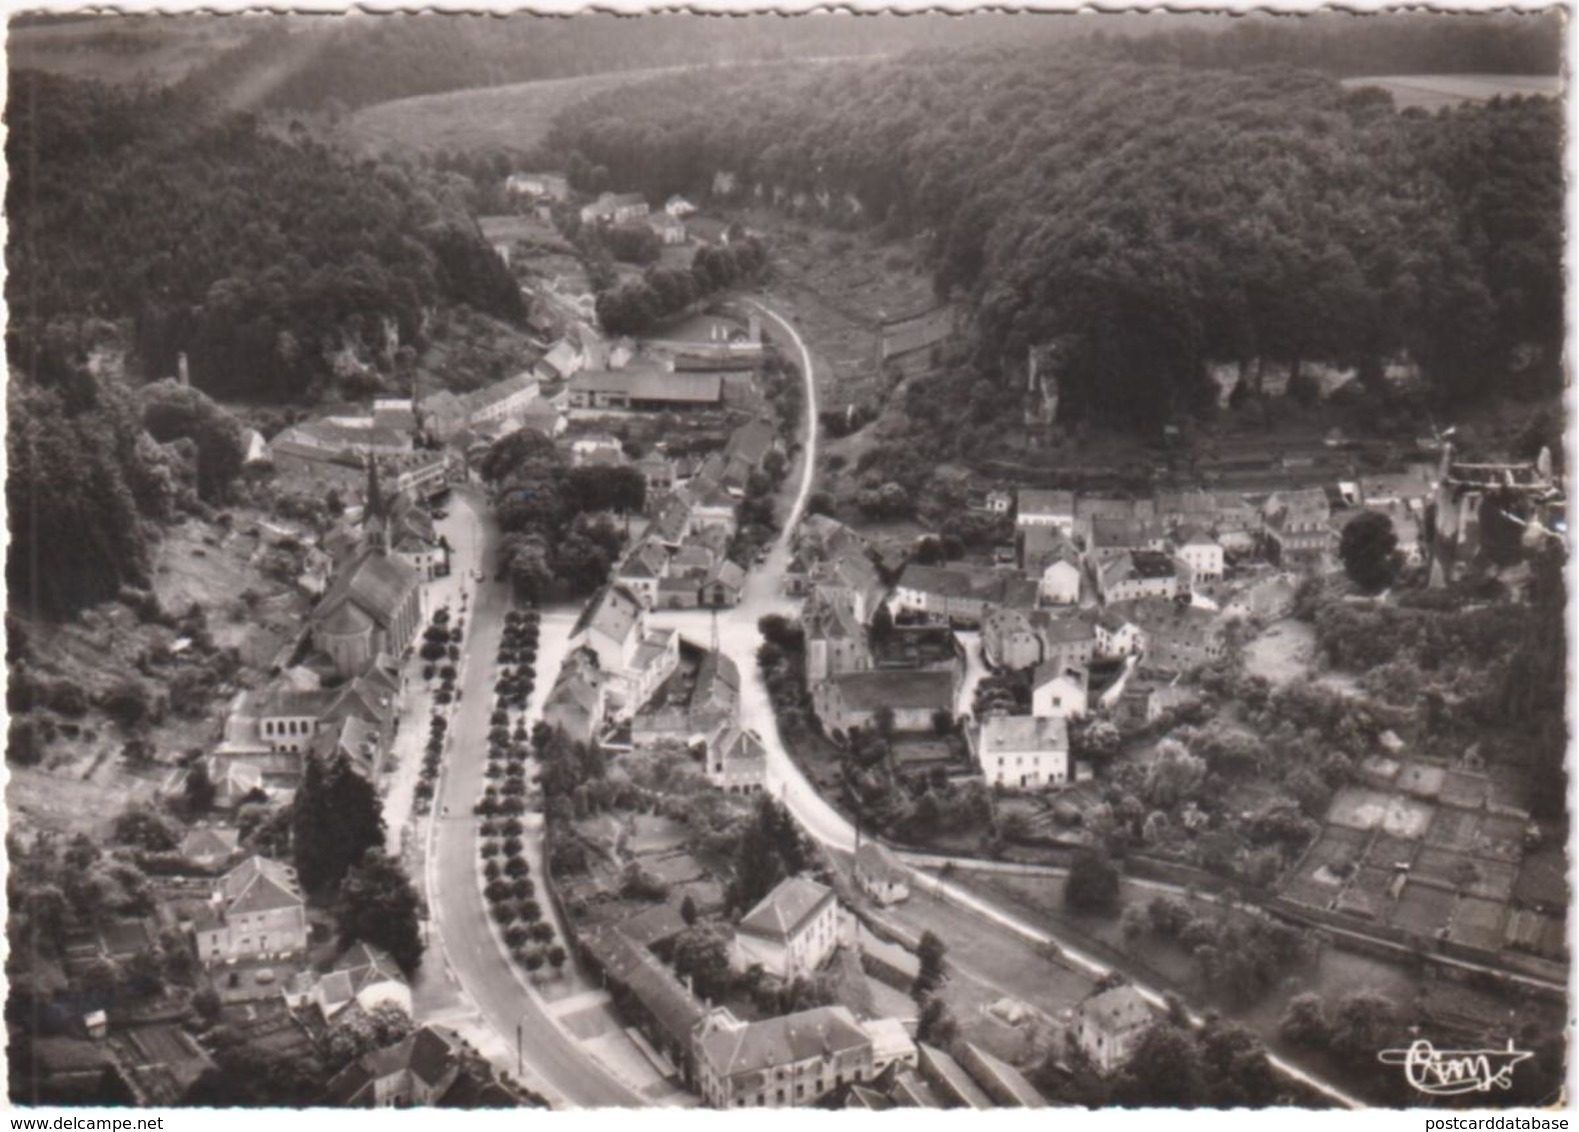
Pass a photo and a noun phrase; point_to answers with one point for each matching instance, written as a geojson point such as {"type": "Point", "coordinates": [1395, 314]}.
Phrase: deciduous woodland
{"type": "Point", "coordinates": [1140, 222]}
{"type": "Point", "coordinates": [261, 256]}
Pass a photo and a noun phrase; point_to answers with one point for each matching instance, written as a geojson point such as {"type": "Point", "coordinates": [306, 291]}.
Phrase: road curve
{"type": "Point", "coordinates": [830, 827]}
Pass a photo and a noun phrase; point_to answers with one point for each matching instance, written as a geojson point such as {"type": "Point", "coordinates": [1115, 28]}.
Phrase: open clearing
{"type": "Point", "coordinates": [1433, 92]}
{"type": "Point", "coordinates": [504, 117]}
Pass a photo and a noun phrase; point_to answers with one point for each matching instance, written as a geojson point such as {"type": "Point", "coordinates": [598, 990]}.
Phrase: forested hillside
{"type": "Point", "coordinates": [1388, 44]}
{"type": "Point", "coordinates": [1142, 221]}
{"type": "Point", "coordinates": [359, 62]}
{"type": "Point", "coordinates": [271, 261]}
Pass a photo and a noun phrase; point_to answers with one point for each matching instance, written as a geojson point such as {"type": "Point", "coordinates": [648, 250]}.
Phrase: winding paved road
{"type": "Point", "coordinates": [738, 636]}
{"type": "Point", "coordinates": [484, 971]}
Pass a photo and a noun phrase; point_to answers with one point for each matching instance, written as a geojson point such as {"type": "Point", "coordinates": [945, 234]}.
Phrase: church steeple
{"type": "Point", "coordinates": [375, 512]}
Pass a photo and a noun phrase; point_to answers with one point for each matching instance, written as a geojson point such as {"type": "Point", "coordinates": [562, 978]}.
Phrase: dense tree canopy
{"type": "Point", "coordinates": [1140, 221]}
{"type": "Point", "coordinates": [263, 258]}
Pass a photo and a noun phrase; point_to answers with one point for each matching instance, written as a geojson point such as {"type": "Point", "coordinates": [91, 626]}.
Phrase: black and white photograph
{"type": "Point", "coordinates": [848, 560]}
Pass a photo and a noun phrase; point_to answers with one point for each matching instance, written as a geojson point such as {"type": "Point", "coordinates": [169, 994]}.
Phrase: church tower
{"type": "Point", "coordinates": [375, 512]}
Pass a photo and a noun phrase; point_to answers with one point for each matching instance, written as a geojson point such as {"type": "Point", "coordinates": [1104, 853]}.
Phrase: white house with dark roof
{"type": "Point", "coordinates": [783, 1062]}
{"type": "Point", "coordinates": [1058, 689]}
{"type": "Point", "coordinates": [1023, 751]}
{"type": "Point", "coordinates": [879, 874]}
{"type": "Point", "coordinates": [208, 846]}
{"type": "Point", "coordinates": [854, 699]}
{"type": "Point", "coordinates": [791, 932]}
{"type": "Point", "coordinates": [1108, 1026]}
{"type": "Point", "coordinates": [1199, 549]}
{"type": "Point", "coordinates": [1051, 561]}
{"type": "Point", "coordinates": [364, 976]}
{"type": "Point", "coordinates": [738, 762]}
{"type": "Point", "coordinates": [1137, 574]}
{"type": "Point", "coordinates": [256, 911]}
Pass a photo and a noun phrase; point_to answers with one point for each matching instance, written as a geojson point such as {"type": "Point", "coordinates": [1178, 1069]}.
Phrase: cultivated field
{"type": "Point", "coordinates": [126, 49]}
{"type": "Point", "coordinates": [505, 117]}
{"type": "Point", "coordinates": [1433, 92]}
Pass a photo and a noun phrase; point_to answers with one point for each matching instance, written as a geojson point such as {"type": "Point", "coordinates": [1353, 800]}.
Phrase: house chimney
{"type": "Point", "coordinates": [182, 374]}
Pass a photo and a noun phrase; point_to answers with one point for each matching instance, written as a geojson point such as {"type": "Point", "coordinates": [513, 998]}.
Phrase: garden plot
{"type": "Point", "coordinates": [1492, 880]}
{"type": "Point", "coordinates": [1354, 807]}
{"type": "Point", "coordinates": [1479, 923]}
{"type": "Point", "coordinates": [1501, 838]}
{"type": "Point", "coordinates": [1421, 781]}
{"type": "Point", "coordinates": [1467, 791]}
{"type": "Point", "coordinates": [1454, 829]}
{"type": "Point", "coordinates": [1423, 909]}
{"type": "Point", "coordinates": [1407, 817]}
{"type": "Point", "coordinates": [1321, 875]}
{"type": "Point", "coordinates": [1441, 867]}
{"type": "Point", "coordinates": [1368, 894]}
{"type": "Point", "coordinates": [1389, 852]}
{"type": "Point", "coordinates": [651, 834]}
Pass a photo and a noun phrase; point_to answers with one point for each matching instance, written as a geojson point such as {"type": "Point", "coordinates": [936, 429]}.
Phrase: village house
{"type": "Point", "coordinates": [1111, 537]}
{"type": "Point", "coordinates": [1068, 640]}
{"type": "Point", "coordinates": [1190, 507]}
{"type": "Point", "coordinates": [309, 467]}
{"type": "Point", "coordinates": [949, 1082]}
{"type": "Point", "coordinates": [1117, 634]}
{"type": "Point", "coordinates": [647, 993]}
{"type": "Point", "coordinates": [791, 932]}
{"type": "Point", "coordinates": [1051, 561]}
{"type": "Point", "coordinates": [364, 977]}
{"type": "Point", "coordinates": [1296, 525]}
{"type": "Point", "coordinates": [712, 506]}
{"type": "Point", "coordinates": [645, 388]}
{"type": "Point", "coordinates": [210, 846]}
{"type": "Point", "coordinates": [1109, 1025]}
{"type": "Point", "coordinates": [634, 659]}
{"type": "Point", "coordinates": [1002, 1082]}
{"type": "Point", "coordinates": [700, 716]}
{"type": "Point", "coordinates": [417, 1070]}
{"type": "Point", "coordinates": [614, 208]}
{"type": "Point", "coordinates": [1089, 508]}
{"type": "Point", "coordinates": [554, 186]}
{"type": "Point", "coordinates": [854, 699]}
{"type": "Point", "coordinates": [957, 595]}
{"type": "Point", "coordinates": [544, 418]}
{"type": "Point", "coordinates": [1009, 641]}
{"type": "Point", "coordinates": [879, 874]}
{"type": "Point", "coordinates": [672, 524]}
{"type": "Point", "coordinates": [657, 471]}
{"type": "Point", "coordinates": [1022, 751]}
{"type": "Point", "coordinates": [563, 360]}
{"type": "Point", "coordinates": [578, 700]}
{"type": "Point", "coordinates": [640, 570]}
{"type": "Point", "coordinates": [256, 911]}
{"type": "Point", "coordinates": [1045, 509]}
{"type": "Point", "coordinates": [668, 228]}
{"type": "Point", "coordinates": [724, 586]}
{"type": "Point", "coordinates": [1059, 690]}
{"type": "Point", "coordinates": [1178, 638]}
{"type": "Point", "coordinates": [835, 641]}
{"type": "Point", "coordinates": [678, 207]}
{"type": "Point", "coordinates": [1199, 550]}
{"type": "Point", "coordinates": [1137, 574]}
{"type": "Point", "coordinates": [738, 762]}
{"type": "Point", "coordinates": [783, 1062]}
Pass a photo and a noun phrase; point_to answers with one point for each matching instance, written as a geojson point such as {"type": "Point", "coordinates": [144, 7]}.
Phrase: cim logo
{"type": "Point", "coordinates": [1454, 1072]}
